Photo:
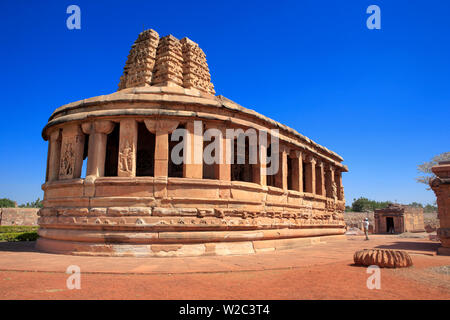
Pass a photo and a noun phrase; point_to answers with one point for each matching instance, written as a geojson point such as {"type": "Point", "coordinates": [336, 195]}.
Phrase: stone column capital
{"type": "Point", "coordinates": [161, 125]}
{"type": "Point", "coordinates": [101, 126]}
{"type": "Point", "coordinates": [54, 135]}
{"type": "Point", "coordinates": [284, 148]}
{"type": "Point", "coordinates": [320, 164]}
{"type": "Point", "coordinates": [311, 159]}
{"type": "Point", "coordinates": [296, 154]}
{"type": "Point", "coordinates": [105, 127]}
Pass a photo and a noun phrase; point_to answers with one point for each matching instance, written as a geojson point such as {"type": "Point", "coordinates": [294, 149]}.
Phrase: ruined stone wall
{"type": "Point", "coordinates": [414, 219]}
{"type": "Point", "coordinates": [18, 216]}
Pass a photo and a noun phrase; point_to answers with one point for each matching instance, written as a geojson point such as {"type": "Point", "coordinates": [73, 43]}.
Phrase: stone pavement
{"type": "Point", "coordinates": [22, 256]}
{"type": "Point", "coordinates": [322, 271]}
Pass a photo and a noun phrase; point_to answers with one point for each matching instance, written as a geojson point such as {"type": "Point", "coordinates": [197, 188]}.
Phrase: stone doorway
{"type": "Point", "coordinates": [390, 225]}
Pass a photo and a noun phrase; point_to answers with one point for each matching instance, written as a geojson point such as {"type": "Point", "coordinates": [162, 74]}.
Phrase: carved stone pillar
{"type": "Point", "coordinates": [330, 184]}
{"type": "Point", "coordinates": [340, 188]}
{"type": "Point", "coordinates": [72, 147]}
{"type": "Point", "coordinates": [320, 179]}
{"type": "Point", "coordinates": [223, 169]}
{"type": "Point", "coordinates": [98, 133]}
{"type": "Point", "coordinates": [441, 187]}
{"type": "Point", "coordinates": [54, 154]}
{"type": "Point", "coordinates": [193, 167]}
{"type": "Point", "coordinates": [127, 148]}
{"type": "Point", "coordinates": [310, 172]}
{"type": "Point", "coordinates": [259, 169]}
{"type": "Point", "coordinates": [161, 128]}
{"type": "Point", "coordinates": [284, 167]}
{"type": "Point", "coordinates": [297, 170]}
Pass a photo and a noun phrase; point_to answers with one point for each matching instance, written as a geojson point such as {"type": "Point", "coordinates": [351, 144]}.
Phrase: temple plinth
{"type": "Point", "coordinates": [115, 185]}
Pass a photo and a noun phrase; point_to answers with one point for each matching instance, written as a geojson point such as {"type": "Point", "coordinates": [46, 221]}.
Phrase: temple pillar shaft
{"type": "Point", "coordinates": [193, 164]}
{"type": "Point", "coordinates": [333, 188]}
{"type": "Point", "coordinates": [54, 154]}
{"type": "Point", "coordinates": [72, 147]}
{"type": "Point", "coordinates": [310, 178]}
{"type": "Point", "coordinates": [223, 169]}
{"type": "Point", "coordinates": [297, 171]}
{"type": "Point", "coordinates": [340, 189]}
{"type": "Point", "coordinates": [161, 128]}
{"type": "Point", "coordinates": [98, 133]}
{"type": "Point", "coordinates": [259, 175]}
{"type": "Point", "coordinates": [320, 180]}
{"type": "Point", "coordinates": [284, 168]}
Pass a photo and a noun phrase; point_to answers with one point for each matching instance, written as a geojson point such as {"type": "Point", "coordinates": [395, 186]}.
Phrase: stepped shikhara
{"type": "Point", "coordinates": [113, 186]}
{"type": "Point", "coordinates": [166, 61]}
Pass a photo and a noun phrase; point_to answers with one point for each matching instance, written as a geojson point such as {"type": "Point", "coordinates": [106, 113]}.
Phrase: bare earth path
{"type": "Point", "coordinates": [323, 271]}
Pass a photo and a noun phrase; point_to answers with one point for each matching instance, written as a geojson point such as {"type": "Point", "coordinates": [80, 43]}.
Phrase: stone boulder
{"type": "Point", "coordinates": [384, 258]}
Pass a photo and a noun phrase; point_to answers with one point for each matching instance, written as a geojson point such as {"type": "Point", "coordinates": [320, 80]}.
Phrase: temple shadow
{"type": "Point", "coordinates": [19, 246]}
{"type": "Point", "coordinates": [412, 246]}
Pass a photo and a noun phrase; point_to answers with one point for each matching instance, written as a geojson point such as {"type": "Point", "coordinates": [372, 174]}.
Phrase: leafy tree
{"type": "Point", "coordinates": [7, 203]}
{"type": "Point", "coordinates": [426, 167]}
{"type": "Point", "coordinates": [33, 204]}
{"type": "Point", "coordinates": [416, 205]}
{"type": "Point", "coordinates": [363, 205]}
{"type": "Point", "coordinates": [430, 208]}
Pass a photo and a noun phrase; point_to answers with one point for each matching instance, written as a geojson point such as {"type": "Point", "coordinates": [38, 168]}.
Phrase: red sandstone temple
{"type": "Point", "coordinates": [134, 200]}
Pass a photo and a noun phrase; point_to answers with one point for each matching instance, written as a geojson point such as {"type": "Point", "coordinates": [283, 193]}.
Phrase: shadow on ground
{"type": "Point", "coordinates": [19, 246]}
{"type": "Point", "coordinates": [411, 246]}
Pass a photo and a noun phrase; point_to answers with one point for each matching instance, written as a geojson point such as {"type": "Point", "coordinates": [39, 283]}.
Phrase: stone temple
{"type": "Point", "coordinates": [112, 187]}
{"type": "Point", "coordinates": [397, 218]}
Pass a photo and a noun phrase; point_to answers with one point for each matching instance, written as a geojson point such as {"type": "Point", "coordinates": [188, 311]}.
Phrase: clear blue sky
{"type": "Point", "coordinates": [379, 98]}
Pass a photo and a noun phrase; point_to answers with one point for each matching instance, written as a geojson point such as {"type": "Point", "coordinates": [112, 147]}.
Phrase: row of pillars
{"type": "Point", "coordinates": [66, 149]}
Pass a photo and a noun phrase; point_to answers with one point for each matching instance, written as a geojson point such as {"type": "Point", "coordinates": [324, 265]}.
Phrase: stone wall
{"type": "Point", "coordinates": [405, 219]}
{"type": "Point", "coordinates": [414, 219]}
{"type": "Point", "coordinates": [18, 216]}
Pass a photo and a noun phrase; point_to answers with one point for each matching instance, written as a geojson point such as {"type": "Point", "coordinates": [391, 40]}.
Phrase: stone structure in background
{"type": "Point", "coordinates": [136, 201]}
{"type": "Point", "coordinates": [18, 216]}
{"type": "Point", "coordinates": [397, 218]}
{"type": "Point", "coordinates": [441, 187]}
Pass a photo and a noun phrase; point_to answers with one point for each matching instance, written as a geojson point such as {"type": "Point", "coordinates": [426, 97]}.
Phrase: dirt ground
{"type": "Point", "coordinates": [322, 271]}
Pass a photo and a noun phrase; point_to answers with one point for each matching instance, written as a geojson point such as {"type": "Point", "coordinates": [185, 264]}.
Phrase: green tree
{"type": "Point", "coordinates": [425, 168]}
{"type": "Point", "coordinates": [416, 205]}
{"type": "Point", "coordinates": [33, 204]}
{"type": "Point", "coordinates": [430, 208]}
{"type": "Point", "coordinates": [363, 204]}
{"type": "Point", "coordinates": [7, 203]}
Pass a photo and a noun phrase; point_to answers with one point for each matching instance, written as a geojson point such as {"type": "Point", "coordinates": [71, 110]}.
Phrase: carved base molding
{"type": "Point", "coordinates": [113, 249]}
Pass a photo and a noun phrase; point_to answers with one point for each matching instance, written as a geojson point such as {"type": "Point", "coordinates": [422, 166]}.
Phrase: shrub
{"type": "Point", "coordinates": [18, 229]}
{"type": "Point", "coordinates": [19, 236]}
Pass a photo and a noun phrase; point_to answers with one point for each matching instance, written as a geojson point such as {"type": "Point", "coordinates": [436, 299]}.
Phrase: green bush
{"type": "Point", "coordinates": [19, 236]}
{"type": "Point", "coordinates": [27, 236]}
{"type": "Point", "coordinates": [18, 229]}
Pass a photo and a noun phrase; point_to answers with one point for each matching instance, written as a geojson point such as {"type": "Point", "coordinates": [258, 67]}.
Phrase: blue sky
{"type": "Point", "coordinates": [379, 98]}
